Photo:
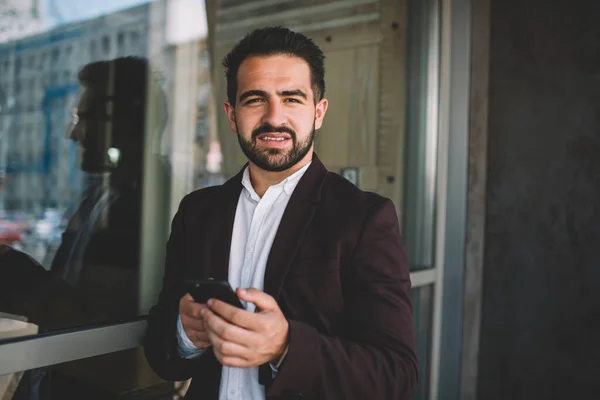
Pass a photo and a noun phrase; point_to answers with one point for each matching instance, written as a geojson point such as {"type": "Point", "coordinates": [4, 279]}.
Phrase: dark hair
{"type": "Point", "coordinates": [274, 41]}
{"type": "Point", "coordinates": [124, 79]}
{"type": "Point", "coordinates": [129, 84]}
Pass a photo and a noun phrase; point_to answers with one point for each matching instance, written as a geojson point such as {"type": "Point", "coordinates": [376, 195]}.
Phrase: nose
{"type": "Point", "coordinates": [76, 130]}
{"type": "Point", "coordinates": [77, 133]}
{"type": "Point", "coordinates": [275, 114]}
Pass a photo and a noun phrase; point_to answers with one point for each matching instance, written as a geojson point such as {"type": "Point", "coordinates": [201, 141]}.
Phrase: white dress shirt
{"type": "Point", "coordinates": [254, 229]}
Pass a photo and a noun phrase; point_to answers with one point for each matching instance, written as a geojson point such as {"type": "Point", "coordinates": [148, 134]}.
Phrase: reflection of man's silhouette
{"type": "Point", "coordinates": [99, 253]}
{"type": "Point", "coordinates": [94, 273]}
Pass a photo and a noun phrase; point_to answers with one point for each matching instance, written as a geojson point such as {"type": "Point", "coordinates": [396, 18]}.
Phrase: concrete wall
{"type": "Point", "coordinates": [540, 332]}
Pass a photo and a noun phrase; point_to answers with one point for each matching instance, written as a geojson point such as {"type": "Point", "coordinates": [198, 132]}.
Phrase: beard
{"type": "Point", "coordinates": [275, 160]}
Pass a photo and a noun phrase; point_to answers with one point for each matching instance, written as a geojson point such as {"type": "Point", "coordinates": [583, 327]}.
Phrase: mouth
{"type": "Point", "coordinates": [274, 139]}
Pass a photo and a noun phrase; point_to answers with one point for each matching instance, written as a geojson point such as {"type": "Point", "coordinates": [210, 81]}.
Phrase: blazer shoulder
{"type": "Point", "coordinates": [339, 189]}
{"type": "Point", "coordinates": [200, 197]}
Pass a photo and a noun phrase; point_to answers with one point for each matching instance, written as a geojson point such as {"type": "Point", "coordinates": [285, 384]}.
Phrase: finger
{"type": "Point", "coordinates": [193, 320]}
{"type": "Point", "coordinates": [227, 349]}
{"type": "Point", "coordinates": [226, 356]}
{"type": "Point", "coordinates": [225, 331]}
{"type": "Point", "coordinates": [235, 362]}
{"type": "Point", "coordinates": [192, 324]}
{"type": "Point", "coordinates": [263, 301]}
{"type": "Point", "coordinates": [229, 361]}
{"type": "Point", "coordinates": [197, 310]}
{"type": "Point", "coordinates": [192, 310]}
{"type": "Point", "coordinates": [198, 336]}
{"type": "Point", "coordinates": [236, 316]}
{"type": "Point", "coordinates": [202, 343]}
{"type": "Point", "coordinates": [184, 302]}
{"type": "Point", "coordinates": [197, 330]}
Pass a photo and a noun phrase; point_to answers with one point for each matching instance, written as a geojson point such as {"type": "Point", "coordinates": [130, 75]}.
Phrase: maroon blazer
{"type": "Point", "coordinates": [337, 269]}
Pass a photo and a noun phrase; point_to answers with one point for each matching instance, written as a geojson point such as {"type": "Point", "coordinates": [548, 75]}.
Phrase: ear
{"type": "Point", "coordinates": [320, 110]}
{"type": "Point", "coordinates": [230, 111]}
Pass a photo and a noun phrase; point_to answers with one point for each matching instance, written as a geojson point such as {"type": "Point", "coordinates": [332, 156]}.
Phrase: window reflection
{"type": "Point", "coordinates": [71, 204]}
{"type": "Point", "coordinates": [93, 251]}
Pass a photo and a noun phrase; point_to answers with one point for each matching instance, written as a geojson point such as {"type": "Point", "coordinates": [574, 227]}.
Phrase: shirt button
{"type": "Point", "coordinates": [233, 392]}
{"type": "Point", "coordinates": [250, 250]}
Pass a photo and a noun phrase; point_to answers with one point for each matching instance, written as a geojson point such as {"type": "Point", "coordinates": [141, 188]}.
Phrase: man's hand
{"type": "Point", "coordinates": [244, 339]}
{"type": "Point", "coordinates": [192, 321]}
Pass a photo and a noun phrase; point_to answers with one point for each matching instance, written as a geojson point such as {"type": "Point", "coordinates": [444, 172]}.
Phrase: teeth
{"type": "Point", "coordinates": [270, 138]}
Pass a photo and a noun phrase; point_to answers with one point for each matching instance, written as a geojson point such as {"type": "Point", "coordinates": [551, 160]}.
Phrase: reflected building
{"type": "Point", "coordinates": [76, 134]}
{"type": "Point", "coordinates": [38, 90]}
{"type": "Point", "coordinates": [99, 251]}
{"type": "Point", "coordinates": [19, 18]}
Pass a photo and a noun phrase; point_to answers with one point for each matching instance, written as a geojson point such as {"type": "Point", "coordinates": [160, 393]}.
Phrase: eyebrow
{"type": "Point", "coordinates": [250, 93]}
{"type": "Point", "coordinates": [296, 92]}
{"type": "Point", "coordinates": [262, 93]}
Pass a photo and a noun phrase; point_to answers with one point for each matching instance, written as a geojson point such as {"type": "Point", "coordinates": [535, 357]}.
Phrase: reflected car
{"type": "Point", "coordinates": [11, 232]}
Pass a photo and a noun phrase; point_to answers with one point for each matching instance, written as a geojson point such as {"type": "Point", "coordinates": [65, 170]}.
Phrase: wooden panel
{"type": "Point", "coordinates": [303, 16]}
{"type": "Point", "coordinates": [263, 10]}
{"type": "Point", "coordinates": [390, 141]}
{"type": "Point", "coordinates": [348, 135]}
{"type": "Point", "coordinates": [348, 37]}
{"type": "Point", "coordinates": [363, 115]}
{"type": "Point", "coordinates": [332, 138]}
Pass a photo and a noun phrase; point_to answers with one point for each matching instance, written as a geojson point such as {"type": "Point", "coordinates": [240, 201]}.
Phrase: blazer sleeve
{"type": "Point", "coordinates": [375, 358]}
{"type": "Point", "coordinates": [160, 342]}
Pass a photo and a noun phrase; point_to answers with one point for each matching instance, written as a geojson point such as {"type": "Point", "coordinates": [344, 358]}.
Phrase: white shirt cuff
{"type": "Point", "coordinates": [275, 366]}
{"type": "Point", "coordinates": [187, 349]}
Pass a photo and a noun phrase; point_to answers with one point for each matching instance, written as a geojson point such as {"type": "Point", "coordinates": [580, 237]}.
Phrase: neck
{"type": "Point", "coordinates": [261, 179]}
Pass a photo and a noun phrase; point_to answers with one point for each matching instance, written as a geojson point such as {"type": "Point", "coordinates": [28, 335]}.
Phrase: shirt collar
{"type": "Point", "coordinates": [288, 184]}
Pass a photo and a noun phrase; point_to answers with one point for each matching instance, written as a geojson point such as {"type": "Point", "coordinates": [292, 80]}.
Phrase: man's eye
{"type": "Point", "coordinates": [251, 101]}
{"type": "Point", "coordinates": [292, 100]}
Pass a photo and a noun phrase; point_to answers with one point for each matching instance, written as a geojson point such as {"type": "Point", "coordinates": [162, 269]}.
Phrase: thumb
{"type": "Point", "coordinates": [262, 300]}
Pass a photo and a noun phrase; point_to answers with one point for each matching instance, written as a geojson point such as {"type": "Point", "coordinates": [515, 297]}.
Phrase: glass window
{"type": "Point", "coordinates": [421, 133]}
{"type": "Point", "coordinates": [76, 160]}
{"type": "Point", "coordinates": [422, 300]}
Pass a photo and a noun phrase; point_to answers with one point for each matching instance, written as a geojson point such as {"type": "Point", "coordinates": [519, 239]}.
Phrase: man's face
{"type": "Point", "coordinates": [90, 132]}
{"type": "Point", "coordinates": [275, 116]}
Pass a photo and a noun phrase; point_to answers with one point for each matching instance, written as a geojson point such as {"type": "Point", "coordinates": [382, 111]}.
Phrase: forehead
{"type": "Point", "coordinates": [86, 98]}
{"type": "Point", "coordinates": [276, 72]}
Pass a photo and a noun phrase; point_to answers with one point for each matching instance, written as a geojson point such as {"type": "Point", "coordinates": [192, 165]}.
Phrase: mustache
{"type": "Point", "coordinates": [266, 128]}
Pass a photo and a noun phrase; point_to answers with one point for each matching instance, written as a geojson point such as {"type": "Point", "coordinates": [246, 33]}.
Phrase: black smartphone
{"type": "Point", "coordinates": [202, 290]}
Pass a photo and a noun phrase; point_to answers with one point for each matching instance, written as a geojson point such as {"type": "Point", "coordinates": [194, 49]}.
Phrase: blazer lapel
{"type": "Point", "coordinates": [221, 225]}
{"type": "Point", "coordinates": [296, 219]}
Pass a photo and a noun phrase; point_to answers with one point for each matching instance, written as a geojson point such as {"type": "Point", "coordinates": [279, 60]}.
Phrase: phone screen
{"type": "Point", "coordinates": [202, 290]}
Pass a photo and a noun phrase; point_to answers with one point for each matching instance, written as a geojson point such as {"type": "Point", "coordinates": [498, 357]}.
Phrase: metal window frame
{"type": "Point", "coordinates": [447, 221]}
{"type": "Point", "coordinates": [421, 147]}
{"type": "Point", "coordinates": [455, 68]}
{"type": "Point", "coordinates": [35, 352]}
